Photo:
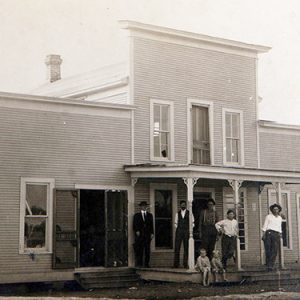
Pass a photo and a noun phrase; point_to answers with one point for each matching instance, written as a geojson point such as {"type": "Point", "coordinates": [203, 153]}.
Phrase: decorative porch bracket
{"type": "Point", "coordinates": [133, 181]}
{"type": "Point", "coordinates": [236, 184]}
{"type": "Point", "coordinates": [190, 182]}
{"type": "Point", "coordinates": [278, 187]}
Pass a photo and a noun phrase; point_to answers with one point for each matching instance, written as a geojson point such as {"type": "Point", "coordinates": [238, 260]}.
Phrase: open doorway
{"type": "Point", "coordinates": [103, 228]}
{"type": "Point", "coordinates": [92, 228]}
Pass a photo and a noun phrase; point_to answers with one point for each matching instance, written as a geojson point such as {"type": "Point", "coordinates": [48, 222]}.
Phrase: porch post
{"type": "Point", "coordinates": [190, 182]}
{"type": "Point", "coordinates": [277, 186]}
{"type": "Point", "coordinates": [236, 184]}
{"type": "Point", "coordinates": [131, 197]}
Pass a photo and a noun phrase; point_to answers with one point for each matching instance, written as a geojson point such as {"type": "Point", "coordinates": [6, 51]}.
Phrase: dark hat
{"type": "Point", "coordinates": [230, 211]}
{"type": "Point", "coordinates": [211, 200]}
{"type": "Point", "coordinates": [275, 205]}
{"type": "Point", "coordinates": [143, 203]}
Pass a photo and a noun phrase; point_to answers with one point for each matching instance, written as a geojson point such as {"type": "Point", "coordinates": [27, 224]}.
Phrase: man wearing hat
{"type": "Point", "coordinates": [207, 230]}
{"type": "Point", "coordinates": [271, 235]}
{"type": "Point", "coordinates": [143, 230]}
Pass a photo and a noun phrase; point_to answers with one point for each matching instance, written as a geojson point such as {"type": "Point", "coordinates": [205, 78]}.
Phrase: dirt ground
{"type": "Point", "coordinates": [157, 290]}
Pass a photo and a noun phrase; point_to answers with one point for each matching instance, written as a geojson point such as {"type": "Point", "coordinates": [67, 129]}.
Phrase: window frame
{"type": "Point", "coordinates": [203, 103]}
{"type": "Point", "coordinates": [171, 154]}
{"type": "Point", "coordinates": [241, 161]}
{"type": "Point", "coordinates": [246, 227]}
{"type": "Point", "coordinates": [288, 194]}
{"type": "Point", "coordinates": [163, 186]}
{"type": "Point", "coordinates": [50, 183]}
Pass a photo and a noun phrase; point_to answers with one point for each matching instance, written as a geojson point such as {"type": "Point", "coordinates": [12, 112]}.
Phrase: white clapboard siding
{"type": "Point", "coordinates": [71, 148]}
{"type": "Point", "coordinates": [172, 72]}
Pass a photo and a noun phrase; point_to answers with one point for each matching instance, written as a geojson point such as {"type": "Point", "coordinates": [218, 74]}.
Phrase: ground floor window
{"type": "Point", "coordinates": [285, 204]}
{"type": "Point", "coordinates": [36, 215]}
{"type": "Point", "coordinates": [241, 210]}
{"type": "Point", "coordinates": [163, 199]}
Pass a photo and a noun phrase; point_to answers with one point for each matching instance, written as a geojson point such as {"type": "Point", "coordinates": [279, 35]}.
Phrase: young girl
{"type": "Point", "coordinates": [203, 266]}
{"type": "Point", "coordinates": [217, 267]}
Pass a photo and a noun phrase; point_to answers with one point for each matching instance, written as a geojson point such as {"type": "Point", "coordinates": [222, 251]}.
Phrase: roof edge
{"type": "Point", "coordinates": [138, 26]}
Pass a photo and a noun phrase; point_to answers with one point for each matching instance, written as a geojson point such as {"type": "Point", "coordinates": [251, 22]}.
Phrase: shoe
{"type": "Point", "coordinates": [146, 266]}
{"type": "Point", "coordinates": [175, 266]}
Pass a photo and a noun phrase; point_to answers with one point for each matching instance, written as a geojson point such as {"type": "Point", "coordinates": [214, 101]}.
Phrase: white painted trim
{"type": "Point", "coordinates": [191, 39]}
{"type": "Point", "coordinates": [68, 106]}
{"type": "Point", "coordinates": [242, 159]}
{"type": "Point", "coordinates": [210, 106]}
{"type": "Point", "coordinates": [279, 131]}
{"type": "Point", "coordinates": [131, 96]}
{"type": "Point", "coordinates": [246, 227]}
{"type": "Point", "coordinates": [50, 182]}
{"type": "Point", "coordinates": [227, 173]}
{"type": "Point", "coordinates": [200, 189]}
{"type": "Point", "coordinates": [287, 192]}
{"type": "Point", "coordinates": [132, 134]}
{"type": "Point", "coordinates": [163, 186]}
{"type": "Point", "coordinates": [102, 187]}
{"type": "Point", "coordinates": [172, 150]}
{"type": "Point", "coordinates": [298, 222]}
{"type": "Point", "coordinates": [257, 114]}
{"type": "Point", "coordinates": [271, 124]}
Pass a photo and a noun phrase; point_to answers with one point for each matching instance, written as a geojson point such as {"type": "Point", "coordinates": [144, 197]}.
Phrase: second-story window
{"type": "Point", "coordinates": [233, 137]}
{"type": "Point", "coordinates": [200, 132]}
{"type": "Point", "coordinates": [161, 130]}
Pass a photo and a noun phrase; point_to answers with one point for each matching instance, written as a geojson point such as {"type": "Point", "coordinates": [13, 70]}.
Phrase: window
{"type": "Point", "coordinates": [200, 132]}
{"type": "Point", "coordinates": [200, 122]}
{"type": "Point", "coordinates": [233, 137]}
{"type": "Point", "coordinates": [161, 143]}
{"type": "Point", "coordinates": [242, 219]}
{"type": "Point", "coordinates": [36, 215]}
{"type": "Point", "coordinates": [285, 204]}
{"type": "Point", "coordinates": [163, 198]}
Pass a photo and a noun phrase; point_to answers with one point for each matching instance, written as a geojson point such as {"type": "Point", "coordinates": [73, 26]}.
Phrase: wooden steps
{"type": "Point", "coordinates": [107, 278]}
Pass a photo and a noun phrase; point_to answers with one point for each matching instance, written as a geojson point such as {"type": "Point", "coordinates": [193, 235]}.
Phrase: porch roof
{"type": "Point", "coordinates": [212, 172]}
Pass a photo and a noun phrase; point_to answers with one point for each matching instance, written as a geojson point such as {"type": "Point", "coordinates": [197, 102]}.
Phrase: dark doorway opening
{"type": "Point", "coordinates": [199, 203]}
{"type": "Point", "coordinates": [92, 228]}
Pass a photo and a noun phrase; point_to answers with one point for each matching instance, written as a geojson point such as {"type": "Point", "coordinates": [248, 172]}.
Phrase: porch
{"type": "Point", "coordinates": [230, 185]}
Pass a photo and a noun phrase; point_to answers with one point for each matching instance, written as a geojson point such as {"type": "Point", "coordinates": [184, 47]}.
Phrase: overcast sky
{"type": "Point", "coordinates": [86, 34]}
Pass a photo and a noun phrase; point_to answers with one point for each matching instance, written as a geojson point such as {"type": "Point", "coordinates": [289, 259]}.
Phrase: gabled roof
{"type": "Point", "coordinates": [84, 84]}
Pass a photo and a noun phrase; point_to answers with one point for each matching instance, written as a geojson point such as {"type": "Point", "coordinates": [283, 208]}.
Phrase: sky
{"type": "Point", "coordinates": [87, 35]}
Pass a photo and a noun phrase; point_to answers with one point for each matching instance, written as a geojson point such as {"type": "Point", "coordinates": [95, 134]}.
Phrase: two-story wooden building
{"type": "Point", "coordinates": [177, 121]}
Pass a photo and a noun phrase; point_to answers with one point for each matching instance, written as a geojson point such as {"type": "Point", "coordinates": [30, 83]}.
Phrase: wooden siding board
{"type": "Point", "coordinates": [279, 151]}
{"type": "Point", "coordinates": [173, 72]}
{"type": "Point", "coordinates": [84, 150]}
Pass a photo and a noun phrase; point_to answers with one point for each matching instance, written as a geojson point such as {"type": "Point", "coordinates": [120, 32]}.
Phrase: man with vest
{"type": "Point", "coordinates": [182, 219]}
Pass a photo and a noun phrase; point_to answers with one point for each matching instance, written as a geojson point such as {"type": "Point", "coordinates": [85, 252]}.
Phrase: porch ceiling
{"type": "Point", "coordinates": [212, 172]}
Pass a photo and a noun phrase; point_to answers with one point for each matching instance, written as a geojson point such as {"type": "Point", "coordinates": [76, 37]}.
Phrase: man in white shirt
{"type": "Point", "coordinates": [229, 228]}
{"type": "Point", "coordinates": [271, 235]}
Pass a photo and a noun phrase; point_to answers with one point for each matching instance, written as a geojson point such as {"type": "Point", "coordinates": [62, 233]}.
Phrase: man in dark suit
{"type": "Point", "coordinates": [182, 234]}
{"type": "Point", "coordinates": [143, 229]}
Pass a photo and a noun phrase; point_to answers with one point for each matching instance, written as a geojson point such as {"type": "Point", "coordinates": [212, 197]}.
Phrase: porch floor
{"type": "Point", "coordinates": [250, 274]}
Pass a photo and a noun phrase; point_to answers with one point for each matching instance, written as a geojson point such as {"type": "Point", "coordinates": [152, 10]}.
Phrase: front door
{"type": "Point", "coordinates": [90, 231]}
{"type": "Point", "coordinates": [103, 228]}
{"type": "Point", "coordinates": [199, 203]}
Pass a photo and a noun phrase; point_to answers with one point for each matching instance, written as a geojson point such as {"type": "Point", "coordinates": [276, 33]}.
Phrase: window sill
{"type": "Point", "coordinates": [35, 252]}
{"type": "Point", "coordinates": [163, 250]}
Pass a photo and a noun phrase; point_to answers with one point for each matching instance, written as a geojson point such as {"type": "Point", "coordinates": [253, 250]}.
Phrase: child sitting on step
{"type": "Point", "coordinates": [217, 267]}
{"type": "Point", "coordinates": [203, 266]}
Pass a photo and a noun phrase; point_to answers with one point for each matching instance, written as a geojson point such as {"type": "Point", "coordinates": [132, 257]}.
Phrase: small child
{"type": "Point", "coordinates": [217, 267]}
{"type": "Point", "coordinates": [203, 266]}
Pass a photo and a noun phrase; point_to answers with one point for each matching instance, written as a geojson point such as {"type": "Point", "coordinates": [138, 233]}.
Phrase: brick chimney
{"type": "Point", "coordinates": [53, 63]}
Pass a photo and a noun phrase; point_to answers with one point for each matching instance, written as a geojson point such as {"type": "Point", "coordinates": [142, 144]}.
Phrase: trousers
{"type": "Point", "coordinates": [271, 244]}
{"type": "Point", "coordinates": [228, 248]}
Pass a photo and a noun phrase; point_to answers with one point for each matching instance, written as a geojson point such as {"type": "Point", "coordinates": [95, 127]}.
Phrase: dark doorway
{"type": "Point", "coordinates": [199, 203]}
{"type": "Point", "coordinates": [103, 228]}
{"type": "Point", "coordinates": [92, 228]}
